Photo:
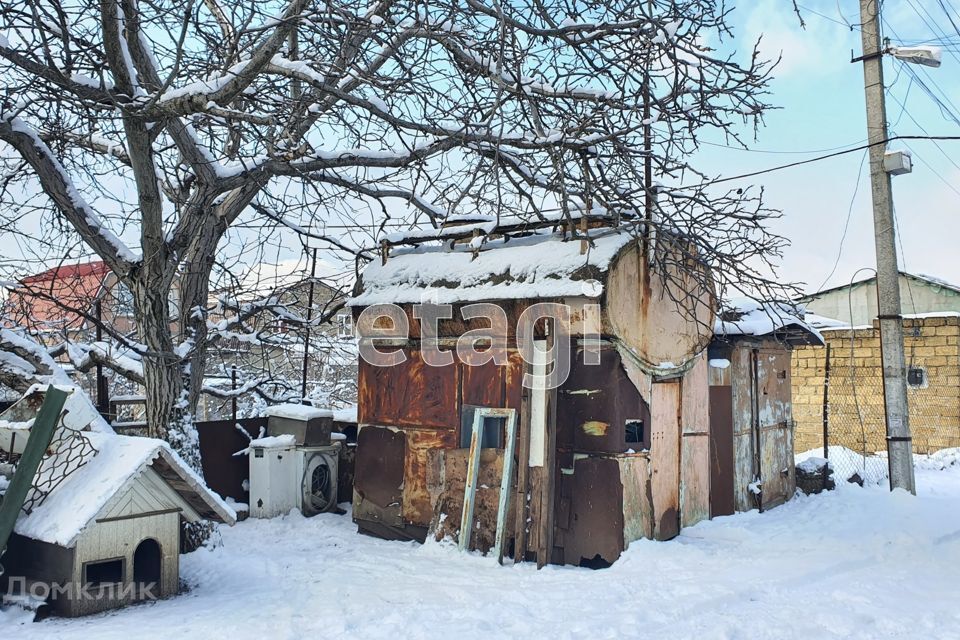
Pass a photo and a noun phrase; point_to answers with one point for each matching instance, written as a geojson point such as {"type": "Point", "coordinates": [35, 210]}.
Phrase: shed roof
{"type": "Point", "coordinates": [542, 265]}
{"type": "Point", "coordinates": [743, 317]}
{"type": "Point", "coordinates": [74, 503]}
{"type": "Point", "coordinates": [922, 278]}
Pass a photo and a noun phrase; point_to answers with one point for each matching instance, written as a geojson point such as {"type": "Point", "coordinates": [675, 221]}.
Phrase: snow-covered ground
{"type": "Point", "coordinates": [854, 563]}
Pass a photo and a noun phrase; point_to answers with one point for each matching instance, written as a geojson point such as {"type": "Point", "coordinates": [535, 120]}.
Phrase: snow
{"type": "Point", "coordinates": [851, 563]}
{"type": "Point", "coordinates": [347, 414]}
{"type": "Point", "coordinates": [70, 507]}
{"type": "Point", "coordinates": [812, 464]}
{"type": "Point", "coordinates": [871, 468]}
{"type": "Point", "coordinates": [274, 442]}
{"type": "Point", "coordinates": [719, 363]}
{"type": "Point", "coordinates": [296, 412]}
{"type": "Point", "coordinates": [747, 317]}
{"type": "Point", "coordinates": [531, 267]}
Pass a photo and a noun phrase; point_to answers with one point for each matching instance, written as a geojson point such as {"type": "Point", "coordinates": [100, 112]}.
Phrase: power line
{"type": "Point", "coordinates": [846, 225]}
{"type": "Point", "coordinates": [778, 152]}
{"type": "Point", "coordinates": [817, 159]}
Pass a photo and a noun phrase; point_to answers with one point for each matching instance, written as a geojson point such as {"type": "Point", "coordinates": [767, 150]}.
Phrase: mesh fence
{"type": "Point", "coordinates": [839, 404]}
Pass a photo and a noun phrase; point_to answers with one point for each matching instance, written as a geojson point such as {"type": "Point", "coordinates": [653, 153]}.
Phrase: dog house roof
{"type": "Point", "coordinates": [78, 499]}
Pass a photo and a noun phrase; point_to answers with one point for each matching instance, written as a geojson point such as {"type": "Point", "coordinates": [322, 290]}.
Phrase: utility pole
{"type": "Point", "coordinates": [899, 446]}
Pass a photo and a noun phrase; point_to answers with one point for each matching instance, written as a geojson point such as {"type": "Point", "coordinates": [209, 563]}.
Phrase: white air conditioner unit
{"type": "Point", "coordinates": [293, 477]}
{"type": "Point", "coordinates": [318, 478]}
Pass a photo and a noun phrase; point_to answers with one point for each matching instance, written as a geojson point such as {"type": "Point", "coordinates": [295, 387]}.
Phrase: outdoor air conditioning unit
{"type": "Point", "coordinates": [317, 467]}
{"type": "Point", "coordinates": [295, 466]}
{"type": "Point", "coordinates": [288, 476]}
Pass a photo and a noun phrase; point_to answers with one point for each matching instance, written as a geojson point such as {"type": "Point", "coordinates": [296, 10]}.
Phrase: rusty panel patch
{"type": "Point", "coordinates": [483, 385]}
{"type": "Point", "coordinates": [595, 428]}
{"type": "Point", "coordinates": [411, 394]}
{"type": "Point", "coordinates": [417, 503]}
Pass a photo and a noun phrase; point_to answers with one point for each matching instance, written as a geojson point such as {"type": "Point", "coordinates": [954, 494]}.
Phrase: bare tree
{"type": "Point", "coordinates": [183, 127]}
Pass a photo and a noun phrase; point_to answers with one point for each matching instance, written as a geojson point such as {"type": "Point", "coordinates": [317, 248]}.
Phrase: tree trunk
{"type": "Point", "coordinates": [168, 411]}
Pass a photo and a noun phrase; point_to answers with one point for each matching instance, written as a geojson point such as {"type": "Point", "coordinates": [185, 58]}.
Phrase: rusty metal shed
{"type": "Point", "coordinates": [618, 452]}
{"type": "Point", "coordinates": [751, 409]}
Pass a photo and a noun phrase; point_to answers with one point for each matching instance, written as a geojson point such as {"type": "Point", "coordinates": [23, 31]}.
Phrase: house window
{"type": "Point", "coordinates": [344, 325]}
{"type": "Point", "coordinates": [634, 431]}
{"type": "Point", "coordinates": [103, 572]}
{"type": "Point", "coordinates": [491, 434]}
{"type": "Point", "coordinates": [917, 377]}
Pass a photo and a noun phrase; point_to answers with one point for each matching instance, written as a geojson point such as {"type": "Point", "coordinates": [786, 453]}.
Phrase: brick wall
{"type": "Point", "coordinates": [856, 387]}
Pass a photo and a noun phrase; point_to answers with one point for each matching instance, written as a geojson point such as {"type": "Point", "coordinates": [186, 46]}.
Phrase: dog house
{"type": "Point", "coordinates": [751, 408]}
{"type": "Point", "coordinates": [102, 526]}
{"type": "Point", "coordinates": [619, 451]}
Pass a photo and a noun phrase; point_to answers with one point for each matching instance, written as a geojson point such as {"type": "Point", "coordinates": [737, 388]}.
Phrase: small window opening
{"type": "Point", "coordinates": [106, 572]}
{"type": "Point", "coordinates": [634, 431]}
{"type": "Point", "coordinates": [917, 377]}
{"type": "Point", "coordinates": [491, 434]}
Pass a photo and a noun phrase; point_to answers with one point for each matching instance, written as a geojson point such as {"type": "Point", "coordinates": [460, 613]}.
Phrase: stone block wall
{"type": "Point", "coordinates": [855, 395]}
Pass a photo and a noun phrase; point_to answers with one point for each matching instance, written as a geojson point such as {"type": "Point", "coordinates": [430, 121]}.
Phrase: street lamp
{"type": "Point", "coordinates": [925, 55]}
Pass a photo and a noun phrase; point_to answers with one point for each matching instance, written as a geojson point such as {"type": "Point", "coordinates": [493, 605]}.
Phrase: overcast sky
{"type": "Point", "coordinates": [822, 107]}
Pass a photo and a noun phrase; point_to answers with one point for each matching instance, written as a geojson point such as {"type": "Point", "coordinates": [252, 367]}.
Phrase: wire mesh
{"type": "Point", "coordinates": [839, 396]}
{"type": "Point", "coordinates": [71, 450]}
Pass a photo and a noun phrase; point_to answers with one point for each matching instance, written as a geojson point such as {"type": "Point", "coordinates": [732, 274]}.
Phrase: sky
{"type": "Point", "coordinates": [819, 95]}
{"type": "Point", "coordinates": [821, 100]}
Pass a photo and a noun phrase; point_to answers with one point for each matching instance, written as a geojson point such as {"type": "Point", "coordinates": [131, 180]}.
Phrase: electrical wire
{"type": "Point", "coordinates": [846, 225]}
{"type": "Point", "coordinates": [811, 160]}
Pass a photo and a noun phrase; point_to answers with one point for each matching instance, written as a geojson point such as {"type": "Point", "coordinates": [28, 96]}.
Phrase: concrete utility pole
{"type": "Point", "coordinates": [899, 447]}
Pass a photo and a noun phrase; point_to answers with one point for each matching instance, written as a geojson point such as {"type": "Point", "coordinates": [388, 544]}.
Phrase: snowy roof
{"type": "Point", "coordinates": [929, 280]}
{"type": "Point", "coordinates": [75, 502]}
{"type": "Point", "coordinates": [746, 317]}
{"type": "Point", "coordinates": [540, 265]}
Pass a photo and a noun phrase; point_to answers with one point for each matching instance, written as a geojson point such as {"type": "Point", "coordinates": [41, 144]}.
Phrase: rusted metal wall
{"type": "Point", "coordinates": [592, 529]}
{"type": "Point", "coordinates": [411, 394]}
{"type": "Point", "coordinates": [379, 474]}
{"type": "Point", "coordinates": [224, 472]}
{"type": "Point", "coordinates": [423, 405]}
{"type": "Point", "coordinates": [594, 405]}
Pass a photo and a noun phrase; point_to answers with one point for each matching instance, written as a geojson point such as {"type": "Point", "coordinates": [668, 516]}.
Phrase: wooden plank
{"type": "Point", "coordinates": [523, 475]}
{"type": "Point", "coordinates": [549, 475]}
{"type": "Point", "coordinates": [470, 490]}
{"type": "Point", "coordinates": [695, 445]}
{"type": "Point", "coordinates": [41, 433]}
{"type": "Point", "coordinates": [665, 458]}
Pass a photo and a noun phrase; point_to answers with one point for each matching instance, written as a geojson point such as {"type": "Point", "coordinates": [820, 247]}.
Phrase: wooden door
{"type": "Point", "coordinates": [665, 458]}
